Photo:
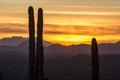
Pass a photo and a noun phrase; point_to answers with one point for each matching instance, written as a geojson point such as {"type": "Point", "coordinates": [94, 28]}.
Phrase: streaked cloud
{"type": "Point", "coordinates": [16, 25]}
{"type": "Point", "coordinates": [11, 30]}
{"type": "Point", "coordinates": [83, 13]}
{"type": "Point", "coordinates": [81, 30]}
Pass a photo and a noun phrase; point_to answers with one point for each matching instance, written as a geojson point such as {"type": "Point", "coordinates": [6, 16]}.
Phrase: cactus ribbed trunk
{"type": "Point", "coordinates": [39, 57]}
{"type": "Point", "coordinates": [31, 44]}
{"type": "Point", "coordinates": [95, 60]}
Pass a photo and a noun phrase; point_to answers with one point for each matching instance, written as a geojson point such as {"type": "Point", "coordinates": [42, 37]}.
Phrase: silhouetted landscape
{"type": "Point", "coordinates": [59, 39]}
{"type": "Point", "coordinates": [61, 62]}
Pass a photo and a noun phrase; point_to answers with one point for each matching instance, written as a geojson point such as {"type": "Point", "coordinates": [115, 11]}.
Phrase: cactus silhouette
{"type": "Point", "coordinates": [31, 44]}
{"type": "Point", "coordinates": [39, 55]}
{"type": "Point", "coordinates": [36, 59]}
{"type": "Point", "coordinates": [95, 60]}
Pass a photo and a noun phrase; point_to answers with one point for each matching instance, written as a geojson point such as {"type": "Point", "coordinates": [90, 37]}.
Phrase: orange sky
{"type": "Point", "coordinates": [64, 23]}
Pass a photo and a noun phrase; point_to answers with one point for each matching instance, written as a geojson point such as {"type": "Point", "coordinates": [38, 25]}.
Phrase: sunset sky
{"type": "Point", "coordinates": [65, 21]}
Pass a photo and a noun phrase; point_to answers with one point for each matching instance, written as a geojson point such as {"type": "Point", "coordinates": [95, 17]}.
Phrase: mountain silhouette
{"type": "Point", "coordinates": [58, 50]}
{"type": "Point", "coordinates": [19, 41]}
{"type": "Point", "coordinates": [82, 49]}
{"type": "Point", "coordinates": [109, 48]}
{"type": "Point", "coordinates": [12, 41]}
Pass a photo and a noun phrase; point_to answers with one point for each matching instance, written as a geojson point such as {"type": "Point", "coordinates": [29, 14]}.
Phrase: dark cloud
{"type": "Point", "coordinates": [54, 32]}
{"type": "Point", "coordinates": [13, 28]}
{"type": "Point", "coordinates": [10, 30]}
{"type": "Point", "coordinates": [110, 30]}
{"type": "Point", "coordinates": [64, 26]}
{"type": "Point", "coordinates": [81, 30]}
{"type": "Point", "coordinates": [62, 29]}
{"type": "Point", "coordinates": [13, 25]}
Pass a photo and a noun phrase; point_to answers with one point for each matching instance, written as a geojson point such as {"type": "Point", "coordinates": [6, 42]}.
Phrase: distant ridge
{"type": "Point", "coordinates": [12, 41]}
{"type": "Point", "coordinates": [50, 49]}
{"type": "Point", "coordinates": [19, 41]}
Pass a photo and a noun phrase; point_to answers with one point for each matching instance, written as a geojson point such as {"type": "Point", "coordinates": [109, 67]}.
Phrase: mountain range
{"type": "Point", "coordinates": [57, 50]}
{"type": "Point", "coordinates": [17, 40]}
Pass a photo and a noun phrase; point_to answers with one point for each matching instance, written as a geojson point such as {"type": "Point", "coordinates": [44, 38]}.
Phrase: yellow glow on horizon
{"type": "Point", "coordinates": [4, 35]}
{"type": "Point", "coordinates": [79, 39]}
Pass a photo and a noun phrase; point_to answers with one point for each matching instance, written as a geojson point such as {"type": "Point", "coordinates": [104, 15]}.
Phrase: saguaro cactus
{"type": "Point", "coordinates": [31, 44]}
{"type": "Point", "coordinates": [95, 60]}
{"type": "Point", "coordinates": [39, 57]}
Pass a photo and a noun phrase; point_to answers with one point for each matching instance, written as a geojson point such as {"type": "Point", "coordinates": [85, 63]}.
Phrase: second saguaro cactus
{"type": "Point", "coordinates": [39, 55]}
{"type": "Point", "coordinates": [95, 60]}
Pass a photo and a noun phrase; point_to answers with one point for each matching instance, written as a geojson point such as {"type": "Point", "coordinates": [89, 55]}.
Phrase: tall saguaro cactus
{"type": "Point", "coordinates": [31, 44]}
{"type": "Point", "coordinates": [95, 60]}
{"type": "Point", "coordinates": [39, 57]}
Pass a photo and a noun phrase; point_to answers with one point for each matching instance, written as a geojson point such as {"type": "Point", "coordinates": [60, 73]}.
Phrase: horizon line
{"type": "Point", "coordinates": [59, 43]}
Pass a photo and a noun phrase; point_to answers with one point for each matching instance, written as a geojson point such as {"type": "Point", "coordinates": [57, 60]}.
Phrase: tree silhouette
{"type": "Point", "coordinates": [95, 60]}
